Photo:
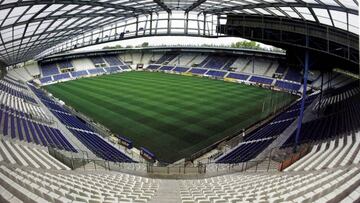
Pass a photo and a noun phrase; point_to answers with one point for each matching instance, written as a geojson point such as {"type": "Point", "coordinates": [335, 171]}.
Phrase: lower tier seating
{"type": "Point", "coordinates": [83, 132]}
{"type": "Point", "coordinates": [100, 147]}
{"type": "Point", "coordinates": [17, 153]}
{"type": "Point", "coordinates": [319, 187]}
{"type": "Point", "coordinates": [24, 185]}
{"type": "Point", "coordinates": [337, 152]}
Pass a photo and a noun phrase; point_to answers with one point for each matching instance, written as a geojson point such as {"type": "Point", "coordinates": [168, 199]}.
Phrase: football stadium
{"type": "Point", "coordinates": [230, 101]}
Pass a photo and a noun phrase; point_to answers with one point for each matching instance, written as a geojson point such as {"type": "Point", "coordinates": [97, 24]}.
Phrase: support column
{"type": "Point", "coordinates": [321, 92]}
{"type": "Point", "coordinates": [306, 70]}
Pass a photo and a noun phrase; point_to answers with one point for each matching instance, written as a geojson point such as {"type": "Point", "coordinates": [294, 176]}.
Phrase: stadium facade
{"type": "Point", "coordinates": [179, 123]}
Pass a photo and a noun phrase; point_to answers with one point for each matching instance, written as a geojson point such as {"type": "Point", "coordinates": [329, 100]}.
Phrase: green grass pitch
{"type": "Point", "coordinates": [174, 116]}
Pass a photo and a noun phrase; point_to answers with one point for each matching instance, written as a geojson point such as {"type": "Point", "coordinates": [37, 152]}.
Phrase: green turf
{"type": "Point", "coordinates": [174, 116]}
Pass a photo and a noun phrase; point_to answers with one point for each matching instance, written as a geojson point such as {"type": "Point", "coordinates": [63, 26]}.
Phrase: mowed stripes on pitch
{"type": "Point", "coordinates": [172, 115]}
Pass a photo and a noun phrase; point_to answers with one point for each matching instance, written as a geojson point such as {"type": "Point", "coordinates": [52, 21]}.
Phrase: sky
{"type": "Point", "coordinates": [171, 40]}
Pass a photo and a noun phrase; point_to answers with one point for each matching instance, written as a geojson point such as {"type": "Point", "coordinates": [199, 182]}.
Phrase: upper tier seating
{"type": "Point", "coordinates": [281, 69]}
{"type": "Point", "coordinates": [113, 61]}
{"type": "Point", "coordinates": [216, 62]}
{"type": "Point", "coordinates": [293, 75]}
{"type": "Point", "coordinates": [336, 97]}
{"type": "Point", "coordinates": [344, 118]}
{"type": "Point", "coordinates": [166, 57]}
{"type": "Point", "coordinates": [64, 64]}
{"type": "Point", "coordinates": [229, 63]}
{"type": "Point", "coordinates": [49, 69]}
{"type": "Point", "coordinates": [204, 61]}
{"type": "Point", "coordinates": [97, 60]}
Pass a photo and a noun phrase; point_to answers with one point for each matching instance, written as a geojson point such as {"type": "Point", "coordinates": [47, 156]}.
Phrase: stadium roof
{"type": "Point", "coordinates": [32, 27]}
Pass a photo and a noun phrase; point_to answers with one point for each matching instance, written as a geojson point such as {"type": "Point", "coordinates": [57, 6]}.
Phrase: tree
{"type": "Point", "coordinates": [246, 44]}
{"type": "Point", "coordinates": [145, 44]}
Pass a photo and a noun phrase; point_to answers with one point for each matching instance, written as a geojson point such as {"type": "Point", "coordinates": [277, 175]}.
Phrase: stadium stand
{"type": "Point", "coordinates": [293, 75]}
{"type": "Point", "coordinates": [263, 187]}
{"type": "Point", "coordinates": [29, 156]}
{"type": "Point", "coordinates": [214, 73]}
{"type": "Point", "coordinates": [64, 64]}
{"type": "Point", "coordinates": [198, 71]}
{"type": "Point", "coordinates": [166, 57]}
{"type": "Point", "coordinates": [113, 61]}
{"type": "Point", "coordinates": [112, 69]}
{"type": "Point", "coordinates": [238, 76]}
{"type": "Point", "coordinates": [79, 73]}
{"type": "Point", "coordinates": [336, 152]}
{"type": "Point", "coordinates": [49, 69]}
{"type": "Point", "coordinates": [153, 67]}
{"type": "Point", "coordinates": [261, 80]}
{"type": "Point", "coordinates": [288, 132]}
{"type": "Point", "coordinates": [83, 132]}
{"type": "Point", "coordinates": [97, 61]}
{"type": "Point", "coordinates": [50, 186]}
{"type": "Point", "coordinates": [258, 140]}
{"type": "Point", "coordinates": [166, 68]}
{"type": "Point", "coordinates": [61, 76]}
{"type": "Point", "coordinates": [96, 71]}
{"type": "Point", "coordinates": [287, 85]}
{"type": "Point", "coordinates": [181, 69]}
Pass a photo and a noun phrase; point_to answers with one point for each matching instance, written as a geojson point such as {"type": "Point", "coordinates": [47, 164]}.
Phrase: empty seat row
{"type": "Point", "coordinates": [25, 129]}
{"type": "Point", "coordinates": [34, 186]}
{"type": "Point", "coordinates": [337, 152]}
{"type": "Point", "coordinates": [324, 186]}
{"type": "Point", "coordinates": [83, 132]}
{"type": "Point", "coordinates": [16, 91]}
{"type": "Point", "coordinates": [258, 140]}
{"type": "Point", "coordinates": [29, 156]}
{"type": "Point", "coordinates": [100, 147]}
{"type": "Point", "coordinates": [17, 104]}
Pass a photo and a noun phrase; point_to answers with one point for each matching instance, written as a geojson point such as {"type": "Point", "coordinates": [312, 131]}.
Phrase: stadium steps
{"type": "Point", "coordinates": [91, 167]}
{"type": "Point", "coordinates": [168, 192]}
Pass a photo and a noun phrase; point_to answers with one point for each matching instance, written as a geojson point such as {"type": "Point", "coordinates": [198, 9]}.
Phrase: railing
{"type": "Point", "coordinates": [293, 158]}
